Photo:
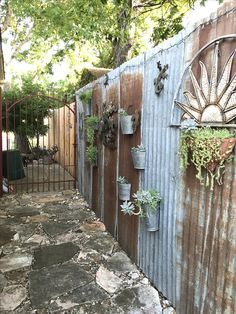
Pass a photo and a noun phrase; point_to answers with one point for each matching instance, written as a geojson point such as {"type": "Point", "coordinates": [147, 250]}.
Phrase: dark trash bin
{"type": "Point", "coordinates": [15, 166]}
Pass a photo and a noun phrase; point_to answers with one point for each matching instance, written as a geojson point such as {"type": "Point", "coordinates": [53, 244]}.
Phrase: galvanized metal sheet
{"type": "Point", "coordinates": [157, 250]}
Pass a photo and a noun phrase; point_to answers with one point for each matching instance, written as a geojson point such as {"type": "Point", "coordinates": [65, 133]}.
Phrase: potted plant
{"type": "Point", "coordinates": [124, 188]}
{"type": "Point", "coordinates": [208, 149]}
{"type": "Point", "coordinates": [91, 124]}
{"type": "Point", "coordinates": [126, 122]}
{"type": "Point", "coordinates": [86, 98]}
{"type": "Point", "coordinates": [148, 204]}
{"type": "Point", "coordinates": [138, 156]}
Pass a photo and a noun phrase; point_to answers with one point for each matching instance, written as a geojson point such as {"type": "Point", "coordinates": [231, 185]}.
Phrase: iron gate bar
{"type": "Point", "coordinates": [1, 177]}
{"type": "Point", "coordinates": [35, 180]}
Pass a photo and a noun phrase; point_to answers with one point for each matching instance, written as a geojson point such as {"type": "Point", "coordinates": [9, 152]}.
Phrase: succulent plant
{"type": "Point", "coordinates": [122, 180]}
{"type": "Point", "coordinates": [128, 208]}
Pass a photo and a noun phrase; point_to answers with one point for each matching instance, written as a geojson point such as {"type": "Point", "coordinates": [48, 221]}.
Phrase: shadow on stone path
{"type": "Point", "coordinates": [56, 257]}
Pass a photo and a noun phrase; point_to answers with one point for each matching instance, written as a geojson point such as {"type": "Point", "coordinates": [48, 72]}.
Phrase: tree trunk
{"type": "Point", "coordinates": [23, 144]}
{"type": "Point", "coordinates": [123, 44]}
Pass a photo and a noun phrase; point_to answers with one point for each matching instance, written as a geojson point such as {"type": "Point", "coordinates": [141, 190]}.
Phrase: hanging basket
{"type": "Point", "coordinates": [124, 190]}
{"type": "Point", "coordinates": [226, 149]}
{"type": "Point", "coordinates": [138, 159]}
{"type": "Point", "coordinates": [152, 219]}
{"type": "Point", "coordinates": [127, 124]}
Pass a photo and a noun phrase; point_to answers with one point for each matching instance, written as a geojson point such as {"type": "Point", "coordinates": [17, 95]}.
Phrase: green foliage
{"type": "Point", "coordinates": [86, 96]}
{"type": "Point", "coordinates": [92, 153]}
{"type": "Point", "coordinates": [104, 33]}
{"type": "Point", "coordinates": [168, 26]}
{"type": "Point", "coordinates": [27, 116]}
{"type": "Point", "coordinates": [203, 146]}
{"type": "Point", "coordinates": [91, 124]}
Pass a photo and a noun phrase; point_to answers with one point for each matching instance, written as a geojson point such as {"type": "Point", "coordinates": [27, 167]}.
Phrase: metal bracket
{"type": "Point", "coordinates": [136, 119]}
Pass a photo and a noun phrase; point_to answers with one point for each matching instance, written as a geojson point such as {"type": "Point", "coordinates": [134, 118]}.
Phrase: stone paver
{"type": "Point", "coordinates": [12, 297]}
{"type": "Point", "coordinates": [15, 261]}
{"type": "Point", "coordinates": [23, 212]}
{"type": "Point", "coordinates": [53, 281]}
{"type": "Point", "coordinates": [3, 282]}
{"type": "Point", "coordinates": [6, 234]}
{"type": "Point", "coordinates": [54, 254]}
{"type": "Point", "coordinates": [57, 257]}
{"type": "Point", "coordinates": [53, 228]}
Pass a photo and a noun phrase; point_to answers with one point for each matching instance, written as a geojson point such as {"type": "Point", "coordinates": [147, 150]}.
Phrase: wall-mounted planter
{"type": "Point", "coordinates": [124, 190]}
{"type": "Point", "coordinates": [127, 124]}
{"type": "Point", "coordinates": [138, 158]}
{"type": "Point", "coordinates": [152, 219]}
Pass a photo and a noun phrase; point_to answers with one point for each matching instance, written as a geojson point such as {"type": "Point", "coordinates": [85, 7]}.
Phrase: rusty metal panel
{"type": "Point", "coordinates": [97, 171]}
{"type": "Point", "coordinates": [111, 159]}
{"type": "Point", "coordinates": [131, 93]}
{"type": "Point", "coordinates": [206, 225]}
{"type": "Point", "coordinates": [208, 245]}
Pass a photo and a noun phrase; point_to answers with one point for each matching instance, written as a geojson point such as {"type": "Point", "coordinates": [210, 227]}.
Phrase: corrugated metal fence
{"type": "Point", "coordinates": [191, 259]}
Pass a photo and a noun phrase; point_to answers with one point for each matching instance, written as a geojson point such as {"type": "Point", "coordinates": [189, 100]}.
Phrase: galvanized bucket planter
{"type": "Point", "coordinates": [138, 159]}
{"type": "Point", "coordinates": [127, 125]}
{"type": "Point", "coordinates": [124, 190]}
{"type": "Point", "coordinates": [152, 219]}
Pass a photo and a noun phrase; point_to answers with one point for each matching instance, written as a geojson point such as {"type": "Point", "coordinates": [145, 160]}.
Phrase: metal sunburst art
{"type": "Point", "coordinates": [215, 99]}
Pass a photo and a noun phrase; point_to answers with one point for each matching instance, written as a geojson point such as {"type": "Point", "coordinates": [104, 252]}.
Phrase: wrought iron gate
{"type": "Point", "coordinates": [38, 144]}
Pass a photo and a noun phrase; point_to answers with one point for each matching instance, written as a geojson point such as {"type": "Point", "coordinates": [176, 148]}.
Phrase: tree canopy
{"type": "Point", "coordinates": [27, 116]}
{"type": "Point", "coordinates": [104, 33]}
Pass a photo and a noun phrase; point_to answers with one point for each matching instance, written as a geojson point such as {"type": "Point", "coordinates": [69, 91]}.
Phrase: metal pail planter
{"type": "Point", "coordinates": [138, 159]}
{"type": "Point", "coordinates": [127, 125]}
{"type": "Point", "coordinates": [124, 191]}
{"type": "Point", "coordinates": [152, 219]}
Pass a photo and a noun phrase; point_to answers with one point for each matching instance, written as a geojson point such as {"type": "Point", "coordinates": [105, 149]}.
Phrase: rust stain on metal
{"type": "Point", "coordinates": [208, 245]}
{"type": "Point", "coordinates": [131, 100]}
{"type": "Point", "coordinates": [97, 171]}
{"type": "Point", "coordinates": [110, 172]}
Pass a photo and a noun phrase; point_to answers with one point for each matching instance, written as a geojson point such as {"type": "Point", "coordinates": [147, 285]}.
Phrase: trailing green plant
{"type": "Point", "coordinates": [138, 148]}
{"type": "Point", "coordinates": [203, 147]}
{"type": "Point", "coordinates": [143, 200]}
{"type": "Point", "coordinates": [91, 124]}
{"type": "Point", "coordinates": [92, 153]}
{"type": "Point", "coordinates": [86, 96]}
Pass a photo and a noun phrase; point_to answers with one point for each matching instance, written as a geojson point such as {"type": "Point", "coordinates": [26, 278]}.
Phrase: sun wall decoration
{"type": "Point", "coordinates": [211, 105]}
{"type": "Point", "coordinates": [215, 99]}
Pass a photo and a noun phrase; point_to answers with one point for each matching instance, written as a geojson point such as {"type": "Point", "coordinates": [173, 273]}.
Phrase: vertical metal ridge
{"type": "Point", "coordinates": [161, 143]}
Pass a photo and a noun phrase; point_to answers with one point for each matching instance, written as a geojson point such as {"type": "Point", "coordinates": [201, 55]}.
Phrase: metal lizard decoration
{"type": "Point", "coordinates": [162, 76]}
